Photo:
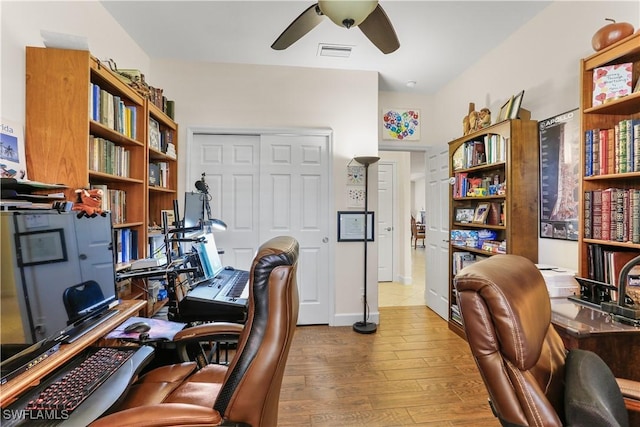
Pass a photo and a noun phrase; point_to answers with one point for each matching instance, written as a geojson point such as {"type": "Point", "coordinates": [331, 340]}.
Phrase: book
{"type": "Point", "coordinates": [154, 174]}
{"type": "Point", "coordinates": [611, 82]}
{"type": "Point", "coordinates": [588, 210]}
{"type": "Point", "coordinates": [154, 134]}
{"type": "Point", "coordinates": [596, 214]}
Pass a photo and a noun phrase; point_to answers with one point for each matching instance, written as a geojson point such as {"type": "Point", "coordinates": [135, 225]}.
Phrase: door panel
{"type": "Point", "coordinates": [437, 235]}
{"type": "Point", "coordinates": [231, 165]}
{"type": "Point", "coordinates": [385, 214]}
{"type": "Point", "coordinates": [293, 200]}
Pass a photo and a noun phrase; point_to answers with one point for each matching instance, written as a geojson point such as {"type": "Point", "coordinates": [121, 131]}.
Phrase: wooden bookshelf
{"type": "Point", "coordinates": [609, 115]}
{"type": "Point", "coordinates": [64, 120]}
{"type": "Point", "coordinates": [60, 123]}
{"type": "Point", "coordinates": [512, 160]}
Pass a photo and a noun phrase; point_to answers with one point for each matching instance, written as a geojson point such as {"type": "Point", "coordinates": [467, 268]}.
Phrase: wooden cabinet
{"type": "Point", "coordinates": [494, 198]}
{"type": "Point", "coordinates": [607, 223]}
{"type": "Point", "coordinates": [74, 139]}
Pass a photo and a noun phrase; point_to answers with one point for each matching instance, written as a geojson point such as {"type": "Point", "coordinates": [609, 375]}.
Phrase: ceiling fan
{"type": "Point", "coordinates": [366, 15]}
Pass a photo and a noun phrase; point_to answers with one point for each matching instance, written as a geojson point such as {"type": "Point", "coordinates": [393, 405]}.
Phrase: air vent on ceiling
{"type": "Point", "coordinates": [335, 50]}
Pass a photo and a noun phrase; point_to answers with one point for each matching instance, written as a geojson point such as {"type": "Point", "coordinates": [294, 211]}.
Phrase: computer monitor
{"type": "Point", "coordinates": [193, 209]}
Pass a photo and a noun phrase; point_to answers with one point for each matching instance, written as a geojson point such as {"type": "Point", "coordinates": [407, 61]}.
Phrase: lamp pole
{"type": "Point", "coordinates": [365, 327]}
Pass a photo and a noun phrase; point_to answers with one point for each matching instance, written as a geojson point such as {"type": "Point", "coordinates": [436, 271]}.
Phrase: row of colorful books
{"type": "Point", "coordinates": [114, 201]}
{"type": "Point", "coordinates": [107, 157]}
{"type": "Point", "coordinates": [126, 244]}
{"type": "Point", "coordinates": [111, 111]}
{"type": "Point", "coordinates": [615, 150]}
{"type": "Point", "coordinates": [612, 214]}
{"type": "Point", "coordinates": [490, 149]}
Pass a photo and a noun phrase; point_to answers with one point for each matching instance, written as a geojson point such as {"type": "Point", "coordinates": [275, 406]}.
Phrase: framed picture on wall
{"type": "Point", "coordinates": [401, 124]}
{"type": "Point", "coordinates": [351, 226]}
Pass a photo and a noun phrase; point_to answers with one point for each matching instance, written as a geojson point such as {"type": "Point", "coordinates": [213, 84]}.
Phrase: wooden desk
{"type": "Point", "coordinates": [10, 391]}
{"type": "Point", "coordinates": [618, 344]}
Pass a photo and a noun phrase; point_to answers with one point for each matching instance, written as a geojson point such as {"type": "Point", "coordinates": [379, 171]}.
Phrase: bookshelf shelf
{"type": "Point", "coordinates": [599, 241]}
{"type": "Point", "coordinates": [517, 167]}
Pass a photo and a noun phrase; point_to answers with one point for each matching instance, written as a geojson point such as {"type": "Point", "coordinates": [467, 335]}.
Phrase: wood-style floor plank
{"type": "Point", "coordinates": [412, 372]}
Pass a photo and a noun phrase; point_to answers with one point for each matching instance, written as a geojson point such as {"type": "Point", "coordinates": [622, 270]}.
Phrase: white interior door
{"type": "Point", "coordinates": [385, 214]}
{"type": "Point", "coordinates": [437, 232]}
{"type": "Point", "coordinates": [269, 185]}
{"type": "Point", "coordinates": [293, 201]}
{"type": "Point", "coordinates": [231, 164]}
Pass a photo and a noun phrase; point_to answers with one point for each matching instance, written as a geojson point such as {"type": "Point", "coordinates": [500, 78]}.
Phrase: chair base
{"type": "Point", "coordinates": [365, 327]}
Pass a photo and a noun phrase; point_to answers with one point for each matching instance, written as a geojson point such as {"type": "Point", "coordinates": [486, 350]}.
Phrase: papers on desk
{"type": "Point", "coordinates": [159, 329]}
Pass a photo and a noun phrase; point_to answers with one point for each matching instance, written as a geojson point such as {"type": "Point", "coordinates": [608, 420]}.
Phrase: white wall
{"type": "Point", "coordinates": [21, 23]}
{"type": "Point", "coordinates": [543, 58]}
{"type": "Point", "coordinates": [250, 96]}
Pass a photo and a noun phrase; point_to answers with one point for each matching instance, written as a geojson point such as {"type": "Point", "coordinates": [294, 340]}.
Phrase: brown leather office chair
{"type": "Point", "coordinates": [245, 393]}
{"type": "Point", "coordinates": [417, 233]}
{"type": "Point", "coordinates": [531, 379]}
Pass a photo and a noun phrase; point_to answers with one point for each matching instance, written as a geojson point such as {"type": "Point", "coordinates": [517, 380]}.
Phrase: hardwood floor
{"type": "Point", "coordinates": [396, 294]}
{"type": "Point", "coordinates": [412, 372]}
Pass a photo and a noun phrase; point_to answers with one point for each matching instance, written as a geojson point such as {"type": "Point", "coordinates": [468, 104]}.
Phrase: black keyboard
{"type": "Point", "coordinates": [237, 283]}
{"type": "Point", "coordinates": [68, 392]}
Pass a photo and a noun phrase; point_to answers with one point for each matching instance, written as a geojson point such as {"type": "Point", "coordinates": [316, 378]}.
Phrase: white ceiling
{"type": "Point", "coordinates": [438, 39]}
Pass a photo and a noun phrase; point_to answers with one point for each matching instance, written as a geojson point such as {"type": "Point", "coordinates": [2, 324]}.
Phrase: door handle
{"type": "Point", "coordinates": [388, 228]}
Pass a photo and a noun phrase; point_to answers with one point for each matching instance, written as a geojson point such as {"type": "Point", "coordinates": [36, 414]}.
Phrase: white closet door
{"type": "Point", "coordinates": [267, 186]}
{"type": "Point", "coordinates": [294, 194]}
{"type": "Point", "coordinates": [231, 164]}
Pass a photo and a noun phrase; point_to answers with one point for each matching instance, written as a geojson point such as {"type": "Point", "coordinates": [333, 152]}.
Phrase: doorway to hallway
{"type": "Point", "coordinates": [395, 294]}
{"type": "Point", "coordinates": [401, 195]}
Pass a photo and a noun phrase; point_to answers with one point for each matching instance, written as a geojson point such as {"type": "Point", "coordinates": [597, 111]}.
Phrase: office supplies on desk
{"type": "Point", "coordinates": [159, 329]}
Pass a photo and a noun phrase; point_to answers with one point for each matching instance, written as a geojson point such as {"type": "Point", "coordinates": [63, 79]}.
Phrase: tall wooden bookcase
{"type": "Point", "coordinates": [504, 155]}
{"type": "Point", "coordinates": [61, 126]}
{"type": "Point", "coordinates": [614, 115]}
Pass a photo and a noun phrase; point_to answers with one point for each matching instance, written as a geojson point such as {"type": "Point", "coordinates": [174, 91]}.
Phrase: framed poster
{"type": "Point", "coordinates": [559, 175]}
{"type": "Point", "coordinates": [401, 124]}
{"type": "Point", "coordinates": [351, 226]}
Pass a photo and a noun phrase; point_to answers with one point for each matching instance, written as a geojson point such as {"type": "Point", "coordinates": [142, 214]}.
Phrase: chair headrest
{"type": "Point", "coordinates": [512, 291]}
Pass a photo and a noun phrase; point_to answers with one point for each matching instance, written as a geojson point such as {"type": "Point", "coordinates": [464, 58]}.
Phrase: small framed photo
{"type": "Point", "coordinates": [515, 106]}
{"type": "Point", "coordinates": [42, 247]}
{"type": "Point", "coordinates": [505, 110]}
{"type": "Point", "coordinates": [464, 215]}
{"type": "Point", "coordinates": [351, 226]}
{"type": "Point", "coordinates": [480, 214]}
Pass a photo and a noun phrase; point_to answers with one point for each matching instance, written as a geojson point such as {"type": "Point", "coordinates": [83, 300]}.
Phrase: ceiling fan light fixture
{"type": "Point", "coordinates": [347, 13]}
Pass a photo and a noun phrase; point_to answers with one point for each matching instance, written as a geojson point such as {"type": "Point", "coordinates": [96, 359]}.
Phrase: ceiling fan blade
{"type": "Point", "coordinates": [300, 26]}
{"type": "Point", "coordinates": [379, 30]}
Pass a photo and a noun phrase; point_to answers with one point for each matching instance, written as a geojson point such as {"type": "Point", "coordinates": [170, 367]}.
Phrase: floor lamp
{"type": "Point", "coordinates": [365, 327]}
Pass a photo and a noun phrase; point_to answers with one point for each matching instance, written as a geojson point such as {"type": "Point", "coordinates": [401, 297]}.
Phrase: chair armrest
{"type": "Point", "coordinates": [631, 393]}
{"type": "Point", "coordinates": [209, 330]}
{"type": "Point", "coordinates": [165, 414]}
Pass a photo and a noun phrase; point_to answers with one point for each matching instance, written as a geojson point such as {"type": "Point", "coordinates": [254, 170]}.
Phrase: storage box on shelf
{"type": "Point", "coordinates": [610, 147]}
{"type": "Point", "coordinates": [494, 198]}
